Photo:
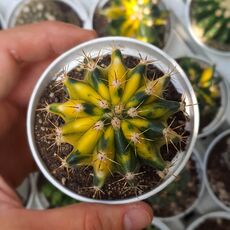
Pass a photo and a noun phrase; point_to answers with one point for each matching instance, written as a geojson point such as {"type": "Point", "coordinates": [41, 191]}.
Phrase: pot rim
{"type": "Point", "coordinates": [76, 6]}
{"type": "Point", "coordinates": [2, 22]}
{"type": "Point", "coordinates": [210, 215]}
{"type": "Point", "coordinates": [95, 44]}
{"type": "Point", "coordinates": [159, 224]}
{"type": "Point", "coordinates": [195, 38]}
{"type": "Point", "coordinates": [199, 167]}
{"type": "Point", "coordinates": [206, 179]}
{"type": "Point", "coordinates": [101, 3]}
{"type": "Point", "coordinates": [221, 114]}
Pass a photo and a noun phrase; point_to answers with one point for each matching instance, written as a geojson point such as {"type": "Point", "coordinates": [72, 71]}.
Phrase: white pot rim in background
{"type": "Point", "coordinates": [70, 59]}
{"type": "Point", "coordinates": [221, 115]}
{"type": "Point", "coordinates": [159, 224]}
{"type": "Point", "coordinates": [2, 22]}
{"type": "Point", "coordinates": [196, 38]}
{"type": "Point", "coordinates": [206, 179]}
{"type": "Point", "coordinates": [211, 215]}
{"type": "Point", "coordinates": [199, 167]}
{"type": "Point", "coordinates": [76, 6]}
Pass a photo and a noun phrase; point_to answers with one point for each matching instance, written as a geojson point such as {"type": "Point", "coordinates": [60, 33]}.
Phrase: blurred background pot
{"type": "Point", "coordinates": [32, 11]}
{"type": "Point", "coordinates": [133, 19]}
{"type": "Point", "coordinates": [211, 29]}
{"type": "Point", "coordinates": [212, 92]}
{"type": "Point", "coordinates": [157, 225]}
{"type": "Point", "coordinates": [47, 196]}
{"type": "Point", "coordinates": [212, 221]}
{"type": "Point", "coordinates": [217, 170]}
{"type": "Point", "coordinates": [2, 22]}
{"type": "Point", "coordinates": [182, 196]}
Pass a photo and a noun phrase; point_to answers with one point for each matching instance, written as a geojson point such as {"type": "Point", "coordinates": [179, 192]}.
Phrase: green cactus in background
{"type": "Point", "coordinates": [205, 85]}
{"type": "Point", "coordinates": [55, 197]}
{"type": "Point", "coordinates": [140, 19]}
{"type": "Point", "coordinates": [212, 22]}
{"type": "Point", "coordinates": [116, 119]}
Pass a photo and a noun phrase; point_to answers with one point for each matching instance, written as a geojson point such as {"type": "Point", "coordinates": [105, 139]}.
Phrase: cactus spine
{"type": "Point", "coordinates": [115, 119]}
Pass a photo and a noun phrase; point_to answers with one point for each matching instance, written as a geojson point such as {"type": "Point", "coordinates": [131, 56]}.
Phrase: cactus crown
{"type": "Point", "coordinates": [212, 18]}
{"type": "Point", "coordinates": [116, 119]}
{"type": "Point", "coordinates": [140, 19]}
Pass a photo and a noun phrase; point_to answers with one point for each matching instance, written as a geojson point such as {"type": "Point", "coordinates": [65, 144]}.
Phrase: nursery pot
{"type": "Point", "coordinates": [206, 179]}
{"type": "Point", "coordinates": [2, 23]}
{"type": "Point", "coordinates": [159, 224]}
{"type": "Point", "coordinates": [98, 5]}
{"type": "Point", "coordinates": [221, 114]}
{"type": "Point", "coordinates": [16, 8]}
{"type": "Point", "coordinates": [130, 47]}
{"type": "Point", "coordinates": [196, 38]}
{"type": "Point", "coordinates": [199, 168]}
{"type": "Point", "coordinates": [212, 215]}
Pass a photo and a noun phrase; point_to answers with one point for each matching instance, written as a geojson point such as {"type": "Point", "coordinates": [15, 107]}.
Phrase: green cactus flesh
{"type": "Point", "coordinates": [206, 86]}
{"type": "Point", "coordinates": [211, 22]}
{"type": "Point", "coordinates": [140, 19]}
{"type": "Point", "coordinates": [116, 119]}
{"type": "Point", "coordinates": [54, 196]}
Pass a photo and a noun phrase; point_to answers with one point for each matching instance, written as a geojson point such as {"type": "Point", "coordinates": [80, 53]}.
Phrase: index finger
{"type": "Point", "coordinates": [34, 43]}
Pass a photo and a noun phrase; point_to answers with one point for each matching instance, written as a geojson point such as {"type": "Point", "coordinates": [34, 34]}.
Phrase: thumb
{"type": "Point", "coordinates": [84, 216]}
{"type": "Point", "coordinates": [96, 216]}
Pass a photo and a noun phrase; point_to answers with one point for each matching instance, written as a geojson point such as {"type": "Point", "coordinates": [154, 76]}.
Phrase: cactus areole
{"type": "Point", "coordinates": [110, 127]}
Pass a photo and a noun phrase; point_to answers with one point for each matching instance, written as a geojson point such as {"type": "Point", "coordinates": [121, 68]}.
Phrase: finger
{"type": "Point", "coordinates": [33, 43]}
{"type": "Point", "coordinates": [90, 216]}
{"type": "Point", "coordinates": [8, 197]}
{"type": "Point", "coordinates": [8, 117]}
{"type": "Point", "coordinates": [22, 92]}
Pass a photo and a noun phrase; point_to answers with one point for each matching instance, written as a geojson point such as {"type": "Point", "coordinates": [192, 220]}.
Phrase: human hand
{"type": "Point", "coordinates": [24, 53]}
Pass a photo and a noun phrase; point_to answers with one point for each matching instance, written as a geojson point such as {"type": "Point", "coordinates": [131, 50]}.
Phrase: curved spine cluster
{"type": "Point", "coordinates": [115, 119]}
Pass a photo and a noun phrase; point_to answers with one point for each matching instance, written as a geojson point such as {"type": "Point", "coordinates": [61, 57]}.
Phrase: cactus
{"type": "Point", "coordinates": [212, 22]}
{"type": "Point", "coordinates": [116, 119]}
{"type": "Point", "coordinates": [205, 85]}
{"type": "Point", "coordinates": [140, 19]}
{"type": "Point", "coordinates": [55, 197]}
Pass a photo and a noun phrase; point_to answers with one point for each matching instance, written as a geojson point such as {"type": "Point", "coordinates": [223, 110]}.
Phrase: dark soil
{"type": "Point", "coordinates": [215, 224]}
{"type": "Point", "coordinates": [219, 170]}
{"type": "Point", "coordinates": [179, 195]}
{"type": "Point", "coordinates": [81, 178]}
{"type": "Point", "coordinates": [42, 10]}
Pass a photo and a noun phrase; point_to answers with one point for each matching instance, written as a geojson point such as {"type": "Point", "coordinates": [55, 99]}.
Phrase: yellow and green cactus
{"type": "Point", "coordinates": [205, 85]}
{"type": "Point", "coordinates": [140, 19]}
{"type": "Point", "coordinates": [116, 118]}
{"type": "Point", "coordinates": [212, 22]}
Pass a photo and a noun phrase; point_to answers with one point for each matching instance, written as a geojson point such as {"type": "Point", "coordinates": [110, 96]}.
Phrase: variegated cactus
{"type": "Point", "coordinates": [116, 119]}
{"type": "Point", "coordinates": [205, 85]}
{"type": "Point", "coordinates": [140, 19]}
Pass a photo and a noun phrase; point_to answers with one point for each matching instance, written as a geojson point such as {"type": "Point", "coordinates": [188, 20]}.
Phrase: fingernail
{"type": "Point", "coordinates": [136, 218]}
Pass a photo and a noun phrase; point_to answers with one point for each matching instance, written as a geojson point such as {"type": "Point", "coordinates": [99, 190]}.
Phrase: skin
{"type": "Point", "coordinates": [25, 52]}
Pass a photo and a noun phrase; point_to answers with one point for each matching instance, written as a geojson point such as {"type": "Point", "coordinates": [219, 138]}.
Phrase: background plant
{"type": "Point", "coordinates": [140, 19]}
